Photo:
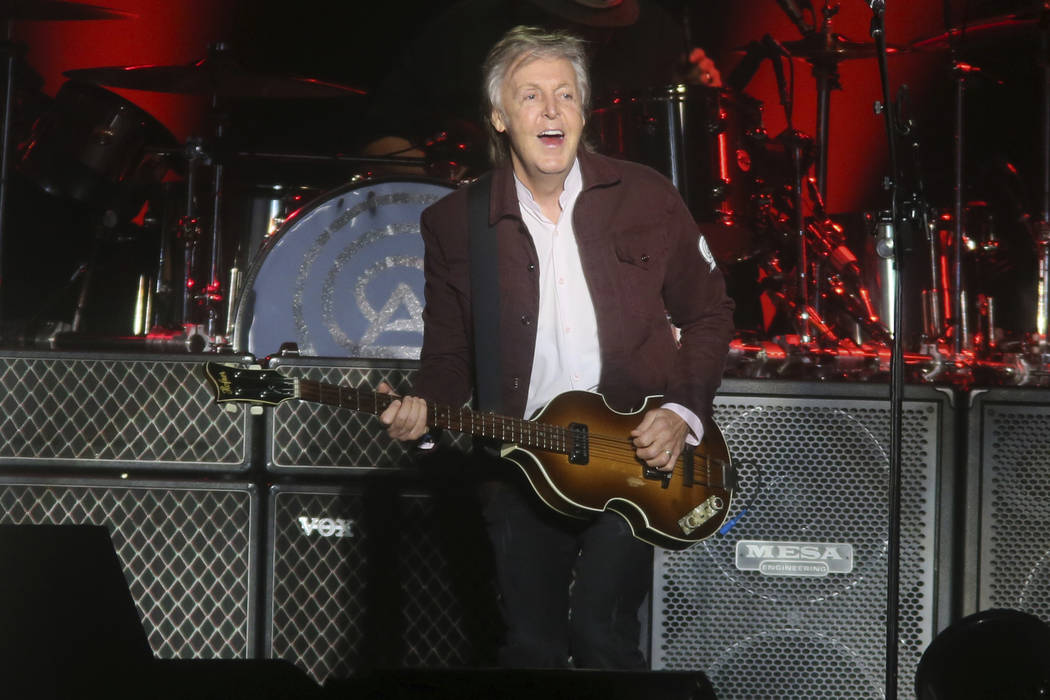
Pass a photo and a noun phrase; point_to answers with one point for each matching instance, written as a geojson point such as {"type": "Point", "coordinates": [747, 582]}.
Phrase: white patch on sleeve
{"type": "Point", "coordinates": [706, 252]}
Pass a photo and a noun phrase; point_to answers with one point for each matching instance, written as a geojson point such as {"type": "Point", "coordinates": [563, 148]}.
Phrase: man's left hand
{"type": "Point", "coordinates": [659, 438]}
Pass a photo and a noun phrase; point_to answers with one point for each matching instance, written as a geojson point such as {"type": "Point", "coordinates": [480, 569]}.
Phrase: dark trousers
{"type": "Point", "coordinates": [570, 589]}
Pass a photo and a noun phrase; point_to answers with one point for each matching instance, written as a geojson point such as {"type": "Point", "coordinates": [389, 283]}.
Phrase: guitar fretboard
{"type": "Point", "coordinates": [526, 433]}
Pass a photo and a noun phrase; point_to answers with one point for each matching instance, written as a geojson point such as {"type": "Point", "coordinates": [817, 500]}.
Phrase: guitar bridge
{"type": "Point", "coordinates": [579, 452]}
{"type": "Point", "coordinates": [700, 515]}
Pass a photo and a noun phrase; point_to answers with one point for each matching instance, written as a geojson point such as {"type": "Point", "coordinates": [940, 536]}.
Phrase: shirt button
{"type": "Point", "coordinates": [561, 280]}
{"type": "Point", "coordinates": [525, 320]}
{"type": "Point", "coordinates": [645, 258]}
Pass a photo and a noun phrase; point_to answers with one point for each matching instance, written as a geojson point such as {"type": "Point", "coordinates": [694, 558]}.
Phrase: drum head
{"type": "Point", "coordinates": [343, 277]}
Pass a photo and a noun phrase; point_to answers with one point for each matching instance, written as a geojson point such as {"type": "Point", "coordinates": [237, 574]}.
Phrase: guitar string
{"type": "Point", "coordinates": [607, 448]}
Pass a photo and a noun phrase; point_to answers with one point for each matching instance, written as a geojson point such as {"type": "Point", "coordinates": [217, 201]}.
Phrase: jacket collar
{"type": "Point", "coordinates": [596, 170]}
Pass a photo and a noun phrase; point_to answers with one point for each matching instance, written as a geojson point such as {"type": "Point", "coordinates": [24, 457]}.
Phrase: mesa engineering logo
{"type": "Point", "coordinates": [326, 527]}
{"type": "Point", "coordinates": [794, 558]}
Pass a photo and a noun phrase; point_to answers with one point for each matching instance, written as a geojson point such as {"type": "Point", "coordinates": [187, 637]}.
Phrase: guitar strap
{"type": "Point", "coordinates": [484, 296]}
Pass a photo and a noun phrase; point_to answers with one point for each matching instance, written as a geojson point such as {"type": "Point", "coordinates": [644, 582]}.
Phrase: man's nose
{"type": "Point", "coordinates": [550, 107]}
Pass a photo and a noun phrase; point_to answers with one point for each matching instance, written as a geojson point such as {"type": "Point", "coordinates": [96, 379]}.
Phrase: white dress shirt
{"type": "Point", "coordinates": [567, 355]}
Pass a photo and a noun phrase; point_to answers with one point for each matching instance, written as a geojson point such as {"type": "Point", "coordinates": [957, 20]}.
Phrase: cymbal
{"type": "Point", "coordinates": [836, 48]}
{"type": "Point", "coordinates": [45, 10]}
{"type": "Point", "coordinates": [212, 76]}
{"type": "Point", "coordinates": [991, 29]}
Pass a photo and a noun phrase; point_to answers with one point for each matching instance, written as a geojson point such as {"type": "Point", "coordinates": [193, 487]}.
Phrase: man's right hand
{"type": "Point", "coordinates": [406, 417]}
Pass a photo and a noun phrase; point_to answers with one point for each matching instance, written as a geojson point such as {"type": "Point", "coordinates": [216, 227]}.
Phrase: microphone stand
{"type": "Point", "coordinates": [898, 245]}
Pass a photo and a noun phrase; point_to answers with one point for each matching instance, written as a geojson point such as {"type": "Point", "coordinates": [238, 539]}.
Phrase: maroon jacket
{"type": "Point", "coordinates": [639, 249]}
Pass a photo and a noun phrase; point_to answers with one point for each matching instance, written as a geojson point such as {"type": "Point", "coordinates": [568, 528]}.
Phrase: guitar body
{"type": "Point", "coordinates": [614, 479]}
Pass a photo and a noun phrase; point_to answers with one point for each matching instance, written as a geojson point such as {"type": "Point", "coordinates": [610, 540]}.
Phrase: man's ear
{"type": "Point", "coordinates": [497, 121]}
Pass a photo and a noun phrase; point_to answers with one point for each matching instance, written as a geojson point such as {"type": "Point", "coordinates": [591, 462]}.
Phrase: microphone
{"type": "Point", "coordinates": [792, 11]}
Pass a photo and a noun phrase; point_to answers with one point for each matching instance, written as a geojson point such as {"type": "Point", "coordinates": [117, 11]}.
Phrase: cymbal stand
{"type": "Point", "coordinates": [213, 291]}
{"type": "Point", "coordinates": [826, 74]}
{"type": "Point", "coordinates": [1042, 321]}
{"type": "Point", "coordinates": [189, 230]}
{"type": "Point", "coordinates": [960, 327]}
{"type": "Point", "coordinates": [10, 50]}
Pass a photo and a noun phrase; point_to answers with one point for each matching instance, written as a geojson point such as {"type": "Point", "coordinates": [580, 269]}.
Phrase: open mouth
{"type": "Point", "coordinates": [552, 137]}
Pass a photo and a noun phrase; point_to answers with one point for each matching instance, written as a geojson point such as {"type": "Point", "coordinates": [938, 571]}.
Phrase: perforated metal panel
{"type": "Point", "coordinates": [187, 549]}
{"type": "Point", "coordinates": [373, 576]}
{"type": "Point", "coordinates": [110, 411]}
{"type": "Point", "coordinates": [1008, 535]}
{"type": "Point", "coordinates": [308, 438]}
{"type": "Point", "coordinates": [814, 467]}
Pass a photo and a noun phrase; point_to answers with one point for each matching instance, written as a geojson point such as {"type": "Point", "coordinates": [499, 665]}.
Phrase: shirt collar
{"type": "Point", "coordinates": [570, 191]}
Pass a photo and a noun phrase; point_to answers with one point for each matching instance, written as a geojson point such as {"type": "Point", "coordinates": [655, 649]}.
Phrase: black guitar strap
{"type": "Point", "coordinates": [484, 296]}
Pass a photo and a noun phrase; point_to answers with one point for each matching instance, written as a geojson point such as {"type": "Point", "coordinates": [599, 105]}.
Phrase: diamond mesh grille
{"type": "Point", "coordinates": [407, 588]}
{"type": "Point", "coordinates": [115, 412]}
{"type": "Point", "coordinates": [313, 438]}
{"type": "Point", "coordinates": [824, 471]}
{"type": "Point", "coordinates": [1015, 518]}
{"type": "Point", "coordinates": [186, 550]}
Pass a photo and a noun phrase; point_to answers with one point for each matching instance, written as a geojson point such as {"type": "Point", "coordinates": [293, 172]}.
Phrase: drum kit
{"type": "Point", "coordinates": [337, 269]}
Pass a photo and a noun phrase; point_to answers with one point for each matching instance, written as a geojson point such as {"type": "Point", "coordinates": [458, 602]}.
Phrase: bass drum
{"type": "Point", "coordinates": [342, 277]}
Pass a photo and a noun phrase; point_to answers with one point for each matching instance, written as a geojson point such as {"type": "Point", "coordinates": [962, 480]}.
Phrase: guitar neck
{"type": "Point", "coordinates": [526, 433]}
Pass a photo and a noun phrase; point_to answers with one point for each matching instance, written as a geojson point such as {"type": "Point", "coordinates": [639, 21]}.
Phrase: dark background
{"type": "Point", "coordinates": [47, 238]}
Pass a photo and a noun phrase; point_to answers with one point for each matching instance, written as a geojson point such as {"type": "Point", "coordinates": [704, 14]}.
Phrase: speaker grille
{"type": "Point", "coordinates": [115, 412]}
{"type": "Point", "coordinates": [377, 578]}
{"type": "Point", "coordinates": [309, 438]}
{"type": "Point", "coordinates": [1014, 494]}
{"type": "Point", "coordinates": [187, 551]}
{"type": "Point", "coordinates": [817, 470]}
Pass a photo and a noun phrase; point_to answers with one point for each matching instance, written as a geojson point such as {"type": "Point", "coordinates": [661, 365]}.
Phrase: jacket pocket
{"type": "Point", "coordinates": [639, 247]}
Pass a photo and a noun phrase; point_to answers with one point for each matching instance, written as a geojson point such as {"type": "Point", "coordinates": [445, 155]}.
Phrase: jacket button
{"type": "Point", "coordinates": [645, 258]}
{"type": "Point", "coordinates": [532, 266]}
{"type": "Point", "coordinates": [516, 384]}
{"type": "Point", "coordinates": [525, 320]}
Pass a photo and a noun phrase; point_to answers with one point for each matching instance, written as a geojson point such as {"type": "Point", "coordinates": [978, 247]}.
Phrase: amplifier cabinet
{"type": "Point", "coordinates": [791, 601]}
{"type": "Point", "coordinates": [314, 439]}
{"type": "Point", "coordinates": [1007, 549]}
{"type": "Point", "coordinates": [309, 438]}
{"type": "Point", "coordinates": [378, 573]}
{"type": "Point", "coordinates": [110, 411]}
{"type": "Point", "coordinates": [188, 550]}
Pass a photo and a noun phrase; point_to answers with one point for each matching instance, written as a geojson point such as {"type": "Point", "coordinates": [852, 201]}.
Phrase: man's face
{"type": "Point", "coordinates": [543, 117]}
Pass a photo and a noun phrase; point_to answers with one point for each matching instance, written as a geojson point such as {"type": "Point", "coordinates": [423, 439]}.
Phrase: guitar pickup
{"type": "Point", "coordinates": [579, 450]}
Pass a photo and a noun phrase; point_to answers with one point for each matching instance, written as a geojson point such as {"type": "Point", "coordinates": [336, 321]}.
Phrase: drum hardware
{"type": "Point", "coordinates": [984, 30]}
{"type": "Point", "coordinates": [1042, 320]}
{"type": "Point", "coordinates": [219, 75]}
{"type": "Point", "coordinates": [12, 11]}
{"type": "Point", "coordinates": [824, 49]}
{"type": "Point", "coordinates": [707, 141]}
{"type": "Point", "coordinates": [222, 77]}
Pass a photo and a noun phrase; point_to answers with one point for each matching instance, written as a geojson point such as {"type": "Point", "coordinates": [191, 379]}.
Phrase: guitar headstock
{"type": "Point", "coordinates": [254, 386]}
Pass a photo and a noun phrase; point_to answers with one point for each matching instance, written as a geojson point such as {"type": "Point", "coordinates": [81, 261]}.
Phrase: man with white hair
{"type": "Point", "coordinates": [597, 258]}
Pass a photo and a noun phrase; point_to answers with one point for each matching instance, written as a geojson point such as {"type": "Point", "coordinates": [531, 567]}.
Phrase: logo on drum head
{"type": "Point", "coordinates": [706, 252]}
